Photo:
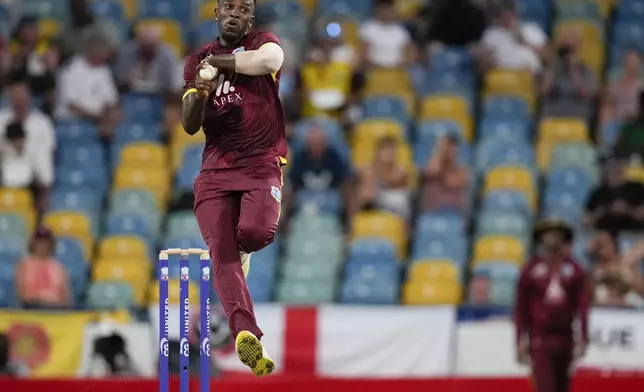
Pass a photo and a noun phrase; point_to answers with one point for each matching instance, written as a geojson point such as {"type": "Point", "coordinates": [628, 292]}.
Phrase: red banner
{"type": "Point", "coordinates": [283, 384]}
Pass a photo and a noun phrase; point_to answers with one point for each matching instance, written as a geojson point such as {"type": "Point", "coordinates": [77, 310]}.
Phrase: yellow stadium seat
{"type": "Point", "coordinates": [388, 81]}
{"type": "Point", "coordinates": [155, 180]}
{"type": "Point", "coordinates": [510, 177]}
{"type": "Point", "coordinates": [431, 293]}
{"type": "Point", "coordinates": [179, 140]}
{"type": "Point", "coordinates": [308, 5]}
{"type": "Point", "coordinates": [586, 29]}
{"type": "Point", "coordinates": [130, 271]}
{"type": "Point", "coordinates": [144, 155]}
{"type": "Point", "coordinates": [448, 108]}
{"type": "Point", "coordinates": [207, 10]}
{"type": "Point", "coordinates": [16, 199]}
{"type": "Point", "coordinates": [381, 225]}
{"type": "Point", "coordinates": [408, 9]}
{"type": "Point", "coordinates": [170, 31]}
{"type": "Point", "coordinates": [48, 29]}
{"type": "Point", "coordinates": [69, 224]}
{"type": "Point", "coordinates": [499, 248]}
{"type": "Point", "coordinates": [516, 83]}
{"type": "Point", "coordinates": [544, 151]}
{"type": "Point", "coordinates": [130, 247]}
{"type": "Point", "coordinates": [635, 173]}
{"type": "Point", "coordinates": [130, 7]}
{"type": "Point", "coordinates": [439, 271]}
{"type": "Point", "coordinates": [372, 131]}
{"type": "Point", "coordinates": [173, 293]}
{"type": "Point", "coordinates": [562, 130]}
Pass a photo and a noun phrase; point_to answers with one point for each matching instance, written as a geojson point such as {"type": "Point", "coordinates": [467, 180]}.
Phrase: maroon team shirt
{"type": "Point", "coordinates": [550, 297]}
{"type": "Point", "coordinates": [244, 123]}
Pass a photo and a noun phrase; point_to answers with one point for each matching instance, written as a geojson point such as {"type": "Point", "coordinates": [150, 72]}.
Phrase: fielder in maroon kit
{"type": "Point", "coordinates": [238, 192]}
{"type": "Point", "coordinates": [552, 295]}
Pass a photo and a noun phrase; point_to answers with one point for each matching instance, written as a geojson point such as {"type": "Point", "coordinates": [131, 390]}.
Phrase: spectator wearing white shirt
{"type": "Point", "coordinates": [86, 88]}
{"type": "Point", "coordinates": [23, 166]}
{"type": "Point", "coordinates": [386, 43]}
{"type": "Point", "coordinates": [515, 44]}
{"type": "Point", "coordinates": [39, 130]}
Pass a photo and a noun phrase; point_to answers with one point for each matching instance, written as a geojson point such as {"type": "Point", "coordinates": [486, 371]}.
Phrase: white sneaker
{"type": "Point", "coordinates": [245, 262]}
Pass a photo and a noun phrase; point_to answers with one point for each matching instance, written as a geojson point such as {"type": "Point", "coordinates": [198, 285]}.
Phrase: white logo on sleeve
{"type": "Point", "coordinates": [276, 193]}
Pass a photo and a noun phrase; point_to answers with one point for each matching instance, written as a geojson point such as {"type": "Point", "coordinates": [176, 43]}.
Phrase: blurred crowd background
{"type": "Point", "coordinates": [425, 140]}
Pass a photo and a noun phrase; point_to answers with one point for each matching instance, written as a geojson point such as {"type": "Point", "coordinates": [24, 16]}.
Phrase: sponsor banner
{"type": "Point", "coordinates": [299, 384]}
{"type": "Point", "coordinates": [385, 342]}
{"type": "Point", "coordinates": [48, 344]}
{"type": "Point", "coordinates": [487, 348]}
{"type": "Point", "coordinates": [137, 342]}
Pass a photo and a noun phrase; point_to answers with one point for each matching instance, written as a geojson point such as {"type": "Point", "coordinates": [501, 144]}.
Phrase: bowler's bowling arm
{"type": "Point", "coordinates": [268, 59]}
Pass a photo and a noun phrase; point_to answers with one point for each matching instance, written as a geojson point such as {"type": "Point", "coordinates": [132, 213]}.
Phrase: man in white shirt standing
{"type": "Point", "coordinates": [515, 44]}
{"type": "Point", "coordinates": [86, 88]}
{"type": "Point", "coordinates": [386, 42]}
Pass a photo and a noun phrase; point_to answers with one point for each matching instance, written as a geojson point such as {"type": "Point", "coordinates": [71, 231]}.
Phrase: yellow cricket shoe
{"type": "Point", "coordinates": [252, 354]}
{"type": "Point", "coordinates": [245, 262]}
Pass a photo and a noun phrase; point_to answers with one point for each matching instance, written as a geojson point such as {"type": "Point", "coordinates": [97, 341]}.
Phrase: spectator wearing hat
{"type": "Point", "coordinates": [552, 294]}
{"type": "Point", "coordinates": [42, 281]}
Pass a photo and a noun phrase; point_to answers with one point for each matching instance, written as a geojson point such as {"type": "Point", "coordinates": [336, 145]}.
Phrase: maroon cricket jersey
{"type": "Point", "coordinates": [244, 123]}
{"type": "Point", "coordinates": [549, 299]}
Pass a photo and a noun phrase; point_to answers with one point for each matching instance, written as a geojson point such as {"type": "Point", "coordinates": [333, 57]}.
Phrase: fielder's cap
{"type": "Point", "coordinates": [550, 224]}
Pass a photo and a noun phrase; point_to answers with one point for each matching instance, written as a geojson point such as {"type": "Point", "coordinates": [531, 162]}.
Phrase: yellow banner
{"type": "Point", "coordinates": [50, 344]}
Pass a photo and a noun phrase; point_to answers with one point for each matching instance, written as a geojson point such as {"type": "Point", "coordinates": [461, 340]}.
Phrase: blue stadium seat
{"type": "Point", "coordinates": [491, 153]}
{"type": "Point", "coordinates": [143, 108]}
{"type": "Point", "coordinates": [185, 177]}
{"type": "Point", "coordinates": [79, 132]}
{"type": "Point", "coordinates": [630, 11]}
{"type": "Point", "coordinates": [78, 199]}
{"type": "Point", "coordinates": [629, 35]}
{"type": "Point", "coordinates": [440, 224]}
{"type": "Point", "coordinates": [69, 251]}
{"type": "Point", "coordinates": [168, 9]}
{"type": "Point", "coordinates": [321, 201]}
{"type": "Point", "coordinates": [13, 225]}
{"type": "Point", "coordinates": [12, 248]}
{"type": "Point", "coordinates": [134, 132]}
{"type": "Point", "coordinates": [450, 82]}
{"type": "Point", "coordinates": [609, 132]}
{"type": "Point", "coordinates": [108, 9]}
{"type": "Point", "coordinates": [78, 155]}
{"type": "Point", "coordinates": [261, 290]}
{"type": "Point", "coordinates": [386, 107]}
{"type": "Point", "coordinates": [372, 270]}
{"type": "Point", "coordinates": [500, 106]}
{"type": "Point", "coordinates": [451, 58]}
{"type": "Point", "coordinates": [508, 201]}
{"type": "Point", "coordinates": [204, 32]}
{"type": "Point", "coordinates": [360, 9]}
{"type": "Point", "coordinates": [380, 292]}
{"type": "Point", "coordinates": [450, 248]}
{"type": "Point", "coordinates": [570, 178]}
{"type": "Point", "coordinates": [333, 130]}
{"type": "Point", "coordinates": [497, 270]}
{"type": "Point", "coordinates": [286, 8]}
{"type": "Point", "coordinates": [84, 177]}
{"type": "Point", "coordinates": [131, 224]}
{"type": "Point", "coordinates": [375, 250]}
{"type": "Point", "coordinates": [8, 297]}
{"type": "Point", "coordinates": [51, 9]}
{"type": "Point", "coordinates": [506, 128]}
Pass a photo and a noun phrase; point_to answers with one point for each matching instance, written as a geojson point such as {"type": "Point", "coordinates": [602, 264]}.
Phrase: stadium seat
{"type": "Point", "coordinates": [13, 225]}
{"type": "Point", "coordinates": [135, 132]}
{"type": "Point", "coordinates": [12, 248]}
{"type": "Point", "coordinates": [450, 248]}
{"type": "Point", "coordinates": [558, 130]}
{"type": "Point", "coordinates": [123, 246]}
{"type": "Point", "coordinates": [495, 223]}
{"type": "Point", "coordinates": [423, 293]}
{"type": "Point", "coordinates": [131, 224]}
{"type": "Point", "coordinates": [173, 293]}
{"type": "Point", "coordinates": [324, 202]}
{"type": "Point", "coordinates": [374, 250]}
{"type": "Point", "coordinates": [143, 107]}
{"type": "Point", "coordinates": [144, 155]}
{"type": "Point", "coordinates": [182, 224]}
{"type": "Point", "coordinates": [384, 292]}
{"type": "Point", "coordinates": [110, 295]}
{"type": "Point", "coordinates": [45, 9]}
{"type": "Point", "coordinates": [381, 225]}
{"type": "Point", "coordinates": [8, 298]}
{"type": "Point", "coordinates": [170, 31]}
{"type": "Point", "coordinates": [69, 224]}
{"type": "Point", "coordinates": [510, 83]}
{"type": "Point", "coordinates": [439, 271]}
{"type": "Point", "coordinates": [305, 293]}
{"type": "Point", "coordinates": [130, 271]}
{"type": "Point", "coordinates": [108, 9]}
{"type": "Point", "coordinates": [498, 247]}
{"type": "Point", "coordinates": [125, 201]}
{"type": "Point", "coordinates": [155, 180]}
{"type": "Point", "coordinates": [85, 154]}
{"type": "Point", "coordinates": [451, 108]}
{"type": "Point", "coordinates": [70, 251]}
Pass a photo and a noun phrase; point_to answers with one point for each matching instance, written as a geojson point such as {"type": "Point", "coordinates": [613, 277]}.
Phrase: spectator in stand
{"type": "Point", "coordinates": [630, 140]}
{"type": "Point", "coordinates": [445, 179]}
{"type": "Point", "coordinates": [83, 26]}
{"type": "Point", "coordinates": [568, 86]}
{"type": "Point", "coordinates": [25, 166]}
{"type": "Point", "coordinates": [385, 185]}
{"type": "Point", "coordinates": [32, 60]}
{"type": "Point", "coordinates": [318, 167]}
{"type": "Point", "coordinates": [633, 261]}
{"type": "Point", "coordinates": [386, 42]}
{"type": "Point", "coordinates": [612, 274]}
{"type": "Point", "coordinates": [39, 129]}
{"type": "Point", "coordinates": [616, 204]}
{"type": "Point", "coordinates": [515, 44]}
{"type": "Point", "coordinates": [621, 99]}
{"type": "Point", "coordinates": [42, 281]}
{"type": "Point", "coordinates": [146, 64]}
{"type": "Point", "coordinates": [86, 89]}
{"type": "Point", "coordinates": [327, 83]}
